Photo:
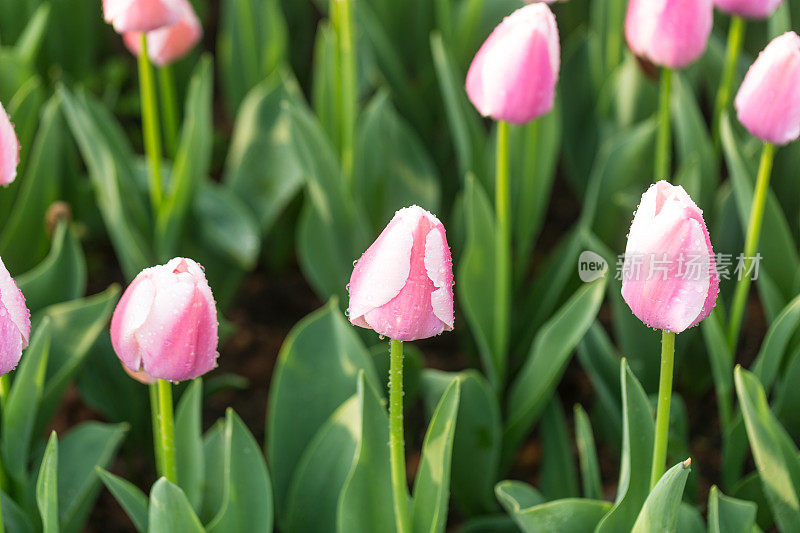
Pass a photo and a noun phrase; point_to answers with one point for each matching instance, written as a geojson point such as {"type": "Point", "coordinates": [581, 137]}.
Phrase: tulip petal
{"type": "Point", "coordinates": [439, 267]}
{"type": "Point", "coordinates": [14, 302]}
{"type": "Point", "coordinates": [139, 15]}
{"type": "Point", "coordinates": [9, 149]}
{"type": "Point", "coordinates": [754, 9]}
{"type": "Point", "coordinates": [11, 342]}
{"type": "Point", "coordinates": [129, 315]}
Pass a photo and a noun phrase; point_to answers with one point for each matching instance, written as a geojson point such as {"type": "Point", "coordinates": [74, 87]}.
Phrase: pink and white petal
{"type": "Point", "coordinates": [439, 267]}
{"type": "Point", "coordinates": [129, 315]}
{"type": "Point", "coordinates": [14, 301]}
{"type": "Point", "coordinates": [9, 149]}
{"type": "Point", "coordinates": [11, 342]}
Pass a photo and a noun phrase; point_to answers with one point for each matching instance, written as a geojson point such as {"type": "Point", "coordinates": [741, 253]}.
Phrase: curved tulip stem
{"type": "Point", "coordinates": [342, 17]}
{"type": "Point", "coordinates": [396, 439]}
{"type": "Point", "coordinates": [664, 142]}
{"type": "Point", "coordinates": [735, 38]}
{"type": "Point", "coordinates": [751, 244]}
{"type": "Point", "coordinates": [502, 272]}
{"type": "Point", "coordinates": [150, 125]}
{"type": "Point", "coordinates": [5, 388]}
{"type": "Point", "coordinates": [154, 418]}
{"type": "Point", "coordinates": [166, 431]}
{"type": "Point", "coordinates": [169, 104]}
{"type": "Point", "coordinates": [662, 411]}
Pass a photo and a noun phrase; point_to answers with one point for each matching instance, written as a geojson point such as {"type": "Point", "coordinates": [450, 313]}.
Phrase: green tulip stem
{"type": "Point", "coordinates": [664, 142]}
{"type": "Point", "coordinates": [396, 440]}
{"type": "Point", "coordinates": [751, 244]}
{"type": "Point", "coordinates": [166, 431]}
{"type": "Point", "coordinates": [150, 125]}
{"type": "Point", "coordinates": [169, 105]}
{"type": "Point", "coordinates": [5, 388]}
{"type": "Point", "coordinates": [735, 38]}
{"type": "Point", "coordinates": [662, 411]}
{"type": "Point", "coordinates": [502, 257]}
{"type": "Point", "coordinates": [153, 388]}
{"type": "Point", "coordinates": [342, 17]}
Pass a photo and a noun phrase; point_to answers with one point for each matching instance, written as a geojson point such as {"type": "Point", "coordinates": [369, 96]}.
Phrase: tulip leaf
{"type": "Point", "coordinates": [317, 370]}
{"type": "Point", "coordinates": [721, 360]}
{"type": "Point", "coordinates": [771, 355]}
{"type": "Point", "coordinates": [322, 472]}
{"type": "Point", "coordinates": [729, 515]}
{"type": "Point", "coordinates": [189, 442]}
{"type": "Point", "coordinates": [24, 240]}
{"type": "Point", "coordinates": [775, 454]}
{"type": "Point", "coordinates": [251, 44]}
{"type": "Point", "coordinates": [561, 516]}
{"type": "Point", "coordinates": [547, 360]}
{"type": "Point", "coordinates": [15, 519]}
{"type": "Point", "coordinates": [365, 501]}
{"type": "Point", "coordinates": [86, 447]}
{"type": "Point", "coordinates": [476, 279]}
{"type": "Point", "coordinates": [495, 523]}
{"type": "Point", "coordinates": [587, 454]}
{"type": "Point", "coordinates": [262, 168]}
{"type": "Point", "coordinates": [476, 444]}
{"type": "Point", "coordinates": [61, 276]}
{"type": "Point", "coordinates": [214, 459]}
{"type": "Point", "coordinates": [559, 479]}
{"type": "Point", "coordinates": [25, 111]}
{"type": "Point", "coordinates": [47, 486]}
{"type": "Point", "coordinates": [393, 170]}
{"type": "Point", "coordinates": [170, 510]}
{"type": "Point", "coordinates": [247, 489]}
{"type": "Point", "coordinates": [130, 498]}
{"type": "Point", "coordinates": [600, 361]}
{"type": "Point", "coordinates": [660, 511]}
{"type": "Point", "coordinates": [192, 161]}
{"type": "Point", "coordinates": [326, 74]}
{"type": "Point", "coordinates": [515, 496]}
{"type": "Point", "coordinates": [110, 165]}
{"type": "Point", "coordinates": [637, 450]}
{"type": "Point", "coordinates": [20, 409]}
{"type": "Point", "coordinates": [432, 484]}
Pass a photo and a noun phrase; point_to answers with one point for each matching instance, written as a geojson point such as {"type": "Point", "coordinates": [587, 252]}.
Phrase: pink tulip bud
{"type": "Point", "coordinates": [166, 322]}
{"type": "Point", "coordinates": [669, 33]}
{"type": "Point", "coordinates": [513, 76]}
{"type": "Point", "coordinates": [169, 43]}
{"type": "Point", "coordinates": [669, 276]}
{"type": "Point", "coordinates": [402, 287]}
{"type": "Point", "coordinates": [753, 9]}
{"type": "Point", "coordinates": [15, 322]}
{"type": "Point", "coordinates": [9, 149]}
{"type": "Point", "coordinates": [139, 15]}
{"type": "Point", "coordinates": [768, 102]}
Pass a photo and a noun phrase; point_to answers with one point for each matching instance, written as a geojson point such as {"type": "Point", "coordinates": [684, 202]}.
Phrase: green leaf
{"type": "Point", "coordinates": [432, 484]}
{"type": "Point", "coordinates": [366, 502]}
{"type": "Point", "coordinates": [75, 327]}
{"type": "Point", "coordinates": [214, 459]}
{"type": "Point", "coordinates": [660, 511]}
{"type": "Point", "coordinates": [130, 498]}
{"type": "Point", "coordinates": [637, 450]}
{"type": "Point", "coordinates": [558, 476]}
{"type": "Point", "coordinates": [170, 511]}
{"type": "Point", "coordinates": [587, 453]}
{"type": "Point", "coordinates": [247, 489]}
{"type": "Point", "coordinates": [192, 161]}
{"type": "Point", "coordinates": [476, 444]}
{"type": "Point", "coordinates": [15, 519]}
{"type": "Point", "coordinates": [30, 42]}
{"type": "Point", "coordinates": [262, 168]}
{"type": "Point", "coordinates": [325, 75]}
{"type": "Point", "coordinates": [516, 496]}
{"type": "Point", "coordinates": [86, 447]}
{"type": "Point", "coordinates": [19, 411]}
{"type": "Point", "coordinates": [600, 361]}
{"type": "Point", "coordinates": [317, 370]}
{"type": "Point", "coordinates": [61, 276]}
{"type": "Point", "coordinates": [189, 442]}
{"type": "Point", "coordinates": [111, 170]}
{"type": "Point", "coordinates": [475, 276]}
{"type": "Point", "coordinates": [548, 357]}
{"type": "Point", "coordinates": [562, 516]}
{"type": "Point", "coordinates": [393, 170]}
{"type": "Point", "coordinates": [24, 239]}
{"type": "Point", "coordinates": [729, 515]}
{"type": "Point", "coordinates": [721, 359]}
{"type": "Point", "coordinates": [251, 43]}
{"type": "Point", "coordinates": [25, 110]}
{"type": "Point", "coordinates": [775, 455]}
{"type": "Point", "coordinates": [770, 357]}
{"type": "Point", "coordinates": [47, 486]}
{"type": "Point", "coordinates": [323, 471]}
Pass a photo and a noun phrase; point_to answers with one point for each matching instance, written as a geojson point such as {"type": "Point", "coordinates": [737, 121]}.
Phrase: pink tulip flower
{"type": "Point", "coordinates": [169, 43]}
{"type": "Point", "coordinates": [669, 33]}
{"type": "Point", "coordinates": [752, 9]}
{"type": "Point", "coordinates": [9, 149]}
{"type": "Point", "coordinates": [669, 277]}
{"type": "Point", "coordinates": [514, 74]}
{"type": "Point", "coordinates": [139, 15]}
{"type": "Point", "coordinates": [402, 287]}
{"type": "Point", "coordinates": [166, 322]}
{"type": "Point", "coordinates": [768, 102]}
{"type": "Point", "coordinates": [15, 322]}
